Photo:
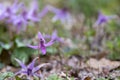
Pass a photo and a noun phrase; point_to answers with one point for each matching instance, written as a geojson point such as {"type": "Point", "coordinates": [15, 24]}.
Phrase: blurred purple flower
{"type": "Point", "coordinates": [43, 12]}
{"type": "Point", "coordinates": [32, 14]}
{"type": "Point", "coordinates": [54, 37]}
{"type": "Point", "coordinates": [104, 18]}
{"type": "Point", "coordinates": [11, 10]}
{"type": "Point", "coordinates": [2, 11]}
{"type": "Point", "coordinates": [14, 8]}
{"type": "Point", "coordinates": [19, 22]}
{"type": "Point", "coordinates": [29, 70]}
{"type": "Point", "coordinates": [60, 14]}
{"type": "Point", "coordinates": [42, 44]}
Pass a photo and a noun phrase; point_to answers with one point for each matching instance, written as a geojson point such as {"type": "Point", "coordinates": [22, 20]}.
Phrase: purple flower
{"type": "Point", "coordinates": [54, 37]}
{"type": "Point", "coordinates": [32, 14]}
{"type": "Point", "coordinates": [42, 44]}
{"type": "Point", "coordinates": [29, 70]}
{"type": "Point", "coordinates": [43, 12]}
{"type": "Point", "coordinates": [2, 11]}
{"type": "Point", "coordinates": [12, 10]}
{"type": "Point", "coordinates": [103, 18]}
{"type": "Point", "coordinates": [19, 22]}
{"type": "Point", "coordinates": [60, 14]}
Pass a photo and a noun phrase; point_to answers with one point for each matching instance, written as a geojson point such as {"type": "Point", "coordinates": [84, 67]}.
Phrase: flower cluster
{"type": "Point", "coordinates": [19, 15]}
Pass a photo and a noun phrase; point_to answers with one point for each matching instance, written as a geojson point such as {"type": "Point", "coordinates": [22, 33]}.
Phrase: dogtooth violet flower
{"type": "Point", "coordinates": [60, 14]}
{"type": "Point", "coordinates": [29, 70]}
{"type": "Point", "coordinates": [33, 14]}
{"type": "Point", "coordinates": [20, 22]}
{"type": "Point", "coordinates": [103, 18]}
{"type": "Point", "coordinates": [43, 12]}
{"type": "Point", "coordinates": [42, 43]}
{"type": "Point", "coordinates": [2, 11]}
{"type": "Point", "coordinates": [12, 10]}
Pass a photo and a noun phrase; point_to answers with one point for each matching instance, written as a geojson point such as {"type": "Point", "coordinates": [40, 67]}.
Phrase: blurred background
{"type": "Point", "coordinates": [78, 35]}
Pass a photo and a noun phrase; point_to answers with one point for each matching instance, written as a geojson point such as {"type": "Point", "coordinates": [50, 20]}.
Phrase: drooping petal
{"type": "Point", "coordinates": [43, 49]}
{"type": "Point", "coordinates": [55, 18]}
{"type": "Point", "coordinates": [38, 67]}
{"type": "Point", "coordinates": [112, 17]}
{"type": "Point", "coordinates": [34, 5]}
{"type": "Point", "coordinates": [19, 22]}
{"type": "Point", "coordinates": [38, 75]}
{"type": "Point", "coordinates": [63, 15]}
{"type": "Point", "coordinates": [54, 35]}
{"type": "Point", "coordinates": [33, 12]}
{"type": "Point", "coordinates": [21, 64]}
{"type": "Point", "coordinates": [34, 47]}
{"type": "Point", "coordinates": [33, 16]}
{"type": "Point", "coordinates": [43, 12]}
{"type": "Point", "coordinates": [32, 64]}
{"type": "Point", "coordinates": [2, 12]}
{"type": "Point", "coordinates": [54, 38]}
{"type": "Point", "coordinates": [47, 36]}
{"type": "Point", "coordinates": [49, 43]}
{"type": "Point", "coordinates": [101, 19]}
{"type": "Point", "coordinates": [15, 7]}
{"type": "Point", "coordinates": [21, 72]}
{"type": "Point", "coordinates": [53, 9]}
{"type": "Point", "coordinates": [40, 36]}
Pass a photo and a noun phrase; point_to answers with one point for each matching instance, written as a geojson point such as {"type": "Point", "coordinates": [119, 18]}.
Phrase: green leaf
{"type": "Point", "coordinates": [110, 45]}
{"type": "Point", "coordinates": [102, 79]}
{"type": "Point", "coordinates": [1, 50]}
{"type": "Point", "coordinates": [1, 65]}
{"type": "Point", "coordinates": [70, 52]}
{"type": "Point", "coordinates": [51, 50]}
{"type": "Point", "coordinates": [90, 33]}
{"type": "Point", "coordinates": [17, 78]}
{"type": "Point", "coordinates": [6, 46]}
{"type": "Point", "coordinates": [21, 54]}
{"type": "Point", "coordinates": [54, 77]}
{"type": "Point", "coordinates": [5, 75]}
{"type": "Point", "coordinates": [118, 78]}
{"type": "Point", "coordinates": [19, 43]}
{"type": "Point", "coordinates": [114, 56]}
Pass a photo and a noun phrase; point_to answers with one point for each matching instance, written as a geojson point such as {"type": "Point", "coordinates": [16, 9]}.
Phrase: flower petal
{"type": "Point", "coordinates": [38, 75]}
{"type": "Point", "coordinates": [31, 65]}
{"type": "Point", "coordinates": [21, 63]}
{"type": "Point", "coordinates": [40, 36]}
{"type": "Point", "coordinates": [20, 72]}
{"type": "Point", "coordinates": [33, 12]}
{"type": "Point", "coordinates": [16, 6]}
{"type": "Point", "coordinates": [54, 35]}
{"type": "Point", "coordinates": [51, 42]}
{"type": "Point", "coordinates": [39, 66]}
{"type": "Point", "coordinates": [34, 47]}
{"type": "Point", "coordinates": [53, 9]}
{"type": "Point", "coordinates": [43, 50]}
{"type": "Point", "coordinates": [101, 19]}
{"type": "Point", "coordinates": [43, 12]}
{"type": "Point", "coordinates": [53, 39]}
{"type": "Point", "coordinates": [55, 18]}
